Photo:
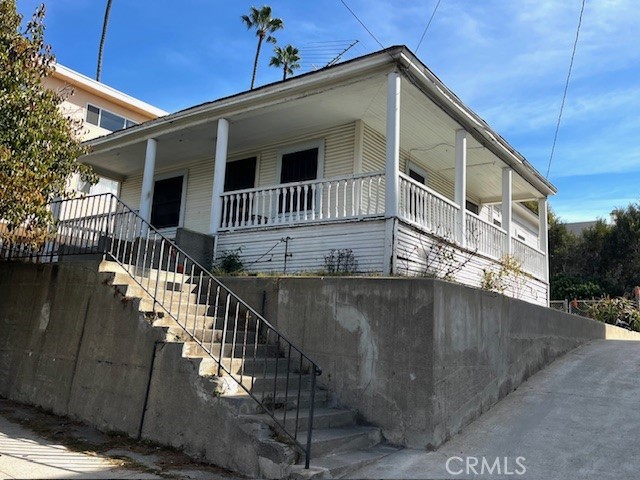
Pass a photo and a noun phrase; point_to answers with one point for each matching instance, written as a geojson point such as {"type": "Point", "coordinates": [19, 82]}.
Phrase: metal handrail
{"type": "Point", "coordinates": [103, 224]}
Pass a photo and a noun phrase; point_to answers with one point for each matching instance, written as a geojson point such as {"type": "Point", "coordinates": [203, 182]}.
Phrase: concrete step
{"type": "Point", "coordinates": [259, 365]}
{"type": "Point", "coordinates": [209, 334]}
{"type": "Point", "coordinates": [323, 418]}
{"type": "Point", "coordinates": [325, 441]}
{"type": "Point", "coordinates": [201, 321]}
{"type": "Point", "coordinates": [246, 405]}
{"type": "Point", "coordinates": [178, 309]}
{"type": "Point", "coordinates": [192, 349]}
{"type": "Point", "coordinates": [339, 465]}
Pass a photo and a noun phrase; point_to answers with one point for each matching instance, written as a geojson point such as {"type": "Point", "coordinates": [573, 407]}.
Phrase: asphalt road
{"type": "Point", "coordinates": [577, 419]}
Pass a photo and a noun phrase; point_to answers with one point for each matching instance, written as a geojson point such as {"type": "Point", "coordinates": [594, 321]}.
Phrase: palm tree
{"type": "Point", "coordinates": [288, 58]}
{"type": "Point", "coordinates": [102, 39]}
{"type": "Point", "coordinates": [264, 25]}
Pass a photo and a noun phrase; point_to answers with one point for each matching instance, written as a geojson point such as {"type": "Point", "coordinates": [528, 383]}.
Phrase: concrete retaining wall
{"type": "Point", "coordinates": [420, 358]}
{"type": "Point", "coordinates": [71, 344]}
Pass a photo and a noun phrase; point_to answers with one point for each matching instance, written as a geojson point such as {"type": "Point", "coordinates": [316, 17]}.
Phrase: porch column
{"type": "Point", "coordinates": [222, 144]}
{"type": "Point", "coordinates": [146, 195]}
{"type": "Point", "coordinates": [507, 195]}
{"type": "Point", "coordinates": [392, 172]}
{"type": "Point", "coordinates": [461, 186]}
{"type": "Point", "coordinates": [543, 234]}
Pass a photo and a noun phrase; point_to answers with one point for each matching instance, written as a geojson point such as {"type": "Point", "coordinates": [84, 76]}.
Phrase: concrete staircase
{"type": "Point", "coordinates": [339, 444]}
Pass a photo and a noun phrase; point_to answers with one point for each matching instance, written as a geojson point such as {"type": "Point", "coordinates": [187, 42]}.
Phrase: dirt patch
{"type": "Point", "coordinates": [139, 455]}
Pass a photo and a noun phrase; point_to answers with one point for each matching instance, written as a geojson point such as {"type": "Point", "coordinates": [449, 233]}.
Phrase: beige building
{"type": "Point", "coordinates": [101, 109]}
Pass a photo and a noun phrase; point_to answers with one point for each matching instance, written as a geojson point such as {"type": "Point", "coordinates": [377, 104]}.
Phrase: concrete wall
{"type": "Point", "coordinates": [420, 358]}
{"type": "Point", "coordinates": [71, 344]}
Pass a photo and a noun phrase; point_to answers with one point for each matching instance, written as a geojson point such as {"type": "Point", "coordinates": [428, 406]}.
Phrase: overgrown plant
{"type": "Point", "coordinates": [613, 310]}
{"type": "Point", "coordinates": [341, 261]}
{"type": "Point", "coordinates": [509, 276]}
{"type": "Point", "coordinates": [229, 263]}
{"type": "Point", "coordinates": [442, 259]}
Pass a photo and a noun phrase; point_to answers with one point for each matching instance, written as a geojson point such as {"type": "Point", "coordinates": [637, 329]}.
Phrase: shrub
{"type": "Point", "coordinates": [229, 263]}
{"type": "Point", "coordinates": [609, 310]}
{"type": "Point", "coordinates": [341, 261]}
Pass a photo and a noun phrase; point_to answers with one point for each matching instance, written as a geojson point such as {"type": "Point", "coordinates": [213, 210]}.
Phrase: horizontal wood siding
{"type": "Point", "coordinates": [199, 188]}
{"type": "Point", "coordinates": [338, 153]}
{"type": "Point", "coordinates": [263, 251]}
{"type": "Point", "coordinates": [418, 253]}
{"type": "Point", "coordinates": [373, 159]}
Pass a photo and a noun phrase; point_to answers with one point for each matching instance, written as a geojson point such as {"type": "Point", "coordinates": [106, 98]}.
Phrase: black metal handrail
{"type": "Point", "coordinates": [220, 323]}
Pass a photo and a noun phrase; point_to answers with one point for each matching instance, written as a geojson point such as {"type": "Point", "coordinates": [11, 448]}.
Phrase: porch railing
{"type": "Point", "coordinates": [533, 260]}
{"type": "Point", "coordinates": [485, 237]}
{"type": "Point", "coordinates": [356, 196]}
{"type": "Point", "coordinates": [427, 209]}
{"type": "Point", "coordinates": [243, 344]}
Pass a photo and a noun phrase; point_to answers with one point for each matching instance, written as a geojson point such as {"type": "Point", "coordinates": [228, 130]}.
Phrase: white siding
{"type": "Point", "coordinates": [263, 250]}
{"type": "Point", "coordinates": [199, 187]}
{"type": "Point", "coordinates": [373, 160]}
{"type": "Point", "coordinates": [416, 255]}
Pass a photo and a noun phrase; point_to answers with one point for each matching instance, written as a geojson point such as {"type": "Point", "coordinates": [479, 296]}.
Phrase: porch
{"type": "Point", "coordinates": [363, 197]}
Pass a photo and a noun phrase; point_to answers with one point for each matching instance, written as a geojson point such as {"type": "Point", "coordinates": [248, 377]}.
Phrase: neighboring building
{"type": "Point", "coordinates": [578, 227]}
{"type": "Point", "coordinates": [375, 155]}
{"type": "Point", "coordinates": [101, 109]}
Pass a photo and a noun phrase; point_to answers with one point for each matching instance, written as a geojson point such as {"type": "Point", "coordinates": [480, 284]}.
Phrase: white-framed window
{"type": "Point", "coordinates": [169, 199]}
{"type": "Point", "coordinates": [496, 216]}
{"type": "Point", "coordinates": [417, 173]}
{"type": "Point", "coordinates": [299, 163]}
{"type": "Point", "coordinates": [106, 119]}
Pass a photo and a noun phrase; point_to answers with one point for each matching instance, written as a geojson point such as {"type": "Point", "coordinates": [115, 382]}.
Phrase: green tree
{"type": "Point", "coordinates": [38, 145]}
{"type": "Point", "coordinates": [287, 58]}
{"type": "Point", "coordinates": [103, 37]}
{"type": "Point", "coordinates": [264, 24]}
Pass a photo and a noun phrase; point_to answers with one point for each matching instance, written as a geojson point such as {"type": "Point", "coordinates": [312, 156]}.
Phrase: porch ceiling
{"type": "Point", "coordinates": [427, 134]}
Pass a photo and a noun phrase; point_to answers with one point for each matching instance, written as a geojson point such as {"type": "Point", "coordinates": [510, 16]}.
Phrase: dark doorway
{"type": "Point", "coordinates": [167, 202]}
{"type": "Point", "coordinates": [239, 175]}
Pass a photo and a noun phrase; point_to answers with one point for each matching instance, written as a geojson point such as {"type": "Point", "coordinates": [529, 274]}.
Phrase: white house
{"type": "Point", "coordinates": [375, 155]}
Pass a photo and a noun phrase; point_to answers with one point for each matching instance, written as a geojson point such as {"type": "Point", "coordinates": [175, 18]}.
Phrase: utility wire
{"type": "Point", "coordinates": [363, 25]}
{"type": "Point", "coordinates": [428, 25]}
{"type": "Point", "coordinates": [566, 87]}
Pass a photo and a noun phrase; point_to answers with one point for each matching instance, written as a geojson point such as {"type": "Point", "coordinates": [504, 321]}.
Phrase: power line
{"type": "Point", "coordinates": [363, 25]}
{"type": "Point", "coordinates": [428, 25]}
{"type": "Point", "coordinates": [566, 87]}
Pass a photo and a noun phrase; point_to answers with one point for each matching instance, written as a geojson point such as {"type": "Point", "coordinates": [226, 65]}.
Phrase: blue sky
{"type": "Point", "coordinates": [506, 59]}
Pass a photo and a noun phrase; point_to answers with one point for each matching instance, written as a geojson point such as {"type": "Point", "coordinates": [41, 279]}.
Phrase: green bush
{"type": "Point", "coordinates": [229, 263]}
{"type": "Point", "coordinates": [608, 310]}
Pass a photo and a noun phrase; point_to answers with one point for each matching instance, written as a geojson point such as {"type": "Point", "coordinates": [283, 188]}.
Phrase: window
{"type": "Point", "coordinates": [239, 175]}
{"type": "Point", "coordinates": [299, 165]}
{"type": "Point", "coordinates": [107, 120]}
{"type": "Point", "coordinates": [417, 173]}
{"type": "Point", "coordinates": [166, 208]}
{"type": "Point", "coordinates": [472, 207]}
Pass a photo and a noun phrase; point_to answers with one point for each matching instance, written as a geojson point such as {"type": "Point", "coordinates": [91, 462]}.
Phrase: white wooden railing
{"type": "Point", "coordinates": [427, 209]}
{"type": "Point", "coordinates": [533, 260]}
{"type": "Point", "coordinates": [355, 196]}
{"type": "Point", "coordinates": [485, 237]}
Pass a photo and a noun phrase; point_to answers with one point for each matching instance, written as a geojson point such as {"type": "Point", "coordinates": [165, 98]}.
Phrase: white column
{"type": "Point", "coordinates": [543, 234]}
{"type": "Point", "coordinates": [507, 195]}
{"type": "Point", "coordinates": [392, 171]}
{"type": "Point", "coordinates": [461, 186]}
{"type": "Point", "coordinates": [222, 145]}
{"type": "Point", "coordinates": [146, 195]}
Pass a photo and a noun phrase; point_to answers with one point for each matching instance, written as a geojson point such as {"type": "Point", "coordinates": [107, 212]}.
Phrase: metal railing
{"type": "Point", "coordinates": [243, 344]}
{"type": "Point", "coordinates": [355, 196]}
{"type": "Point", "coordinates": [426, 208]}
{"type": "Point", "coordinates": [484, 237]}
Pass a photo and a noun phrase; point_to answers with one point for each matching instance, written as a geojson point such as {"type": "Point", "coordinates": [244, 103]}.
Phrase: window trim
{"type": "Point", "coordinates": [411, 165]}
{"type": "Point", "coordinates": [299, 147]}
{"type": "Point", "coordinates": [126, 119]}
{"type": "Point", "coordinates": [183, 199]}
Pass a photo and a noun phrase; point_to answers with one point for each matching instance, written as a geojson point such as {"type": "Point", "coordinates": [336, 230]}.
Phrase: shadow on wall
{"type": "Point", "coordinates": [420, 358]}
